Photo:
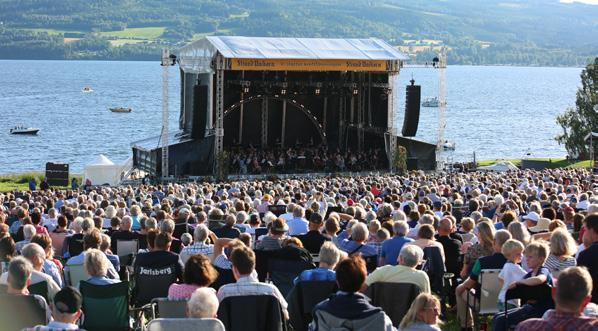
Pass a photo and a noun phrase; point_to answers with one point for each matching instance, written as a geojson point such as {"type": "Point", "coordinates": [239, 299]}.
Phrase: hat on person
{"type": "Point", "coordinates": [541, 226]}
{"type": "Point", "coordinates": [532, 216]}
{"type": "Point", "coordinates": [350, 202]}
{"type": "Point", "coordinates": [315, 218]}
{"type": "Point", "coordinates": [378, 200]}
{"type": "Point", "coordinates": [68, 300]}
{"type": "Point", "coordinates": [279, 225]}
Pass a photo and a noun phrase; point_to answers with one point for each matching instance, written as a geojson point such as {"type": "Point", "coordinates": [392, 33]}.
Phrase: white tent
{"type": "Point", "coordinates": [500, 167]}
{"type": "Point", "coordinates": [102, 171]}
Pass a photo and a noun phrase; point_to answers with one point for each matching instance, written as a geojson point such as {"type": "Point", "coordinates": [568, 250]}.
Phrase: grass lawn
{"type": "Point", "coordinates": [20, 181]}
{"type": "Point", "coordinates": [554, 162]}
{"type": "Point", "coordinates": [135, 33]}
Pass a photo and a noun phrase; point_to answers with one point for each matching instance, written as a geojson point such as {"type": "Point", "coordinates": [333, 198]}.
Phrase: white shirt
{"type": "Point", "coordinates": [297, 226]}
{"type": "Point", "coordinates": [38, 277]}
{"type": "Point", "coordinates": [510, 273]}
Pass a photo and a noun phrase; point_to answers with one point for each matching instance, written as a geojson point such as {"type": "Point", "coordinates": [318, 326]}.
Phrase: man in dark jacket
{"type": "Point", "coordinates": [313, 239]}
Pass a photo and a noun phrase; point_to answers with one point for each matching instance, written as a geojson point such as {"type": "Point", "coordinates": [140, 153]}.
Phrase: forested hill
{"type": "Point", "coordinates": [534, 32]}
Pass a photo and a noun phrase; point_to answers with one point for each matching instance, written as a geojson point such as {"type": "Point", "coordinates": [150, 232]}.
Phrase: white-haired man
{"type": "Point", "coordinates": [409, 258]}
{"type": "Point", "coordinates": [199, 246]}
{"type": "Point", "coordinates": [392, 247]}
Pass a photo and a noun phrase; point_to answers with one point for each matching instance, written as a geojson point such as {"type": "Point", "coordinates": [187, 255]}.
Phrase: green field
{"type": "Point", "coordinates": [554, 162]}
{"type": "Point", "coordinates": [135, 33]}
{"type": "Point", "coordinates": [20, 181]}
{"type": "Point", "coordinates": [120, 42]}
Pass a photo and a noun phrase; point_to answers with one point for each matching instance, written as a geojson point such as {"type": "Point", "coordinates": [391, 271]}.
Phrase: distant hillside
{"type": "Point", "coordinates": [532, 32]}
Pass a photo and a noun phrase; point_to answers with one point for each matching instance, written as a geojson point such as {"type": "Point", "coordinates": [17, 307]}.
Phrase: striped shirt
{"type": "Point", "coordinates": [553, 263]}
{"type": "Point", "coordinates": [250, 285]}
{"type": "Point", "coordinates": [196, 248]}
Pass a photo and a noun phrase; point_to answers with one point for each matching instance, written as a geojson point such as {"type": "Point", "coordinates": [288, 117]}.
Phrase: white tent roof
{"type": "Point", "coordinates": [500, 166]}
{"type": "Point", "coordinates": [197, 56]}
{"type": "Point", "coordinates": [100, 160]}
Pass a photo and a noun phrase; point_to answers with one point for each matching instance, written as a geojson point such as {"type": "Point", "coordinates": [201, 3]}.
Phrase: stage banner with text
{"type": "Point", "coordinates": [308, 65]}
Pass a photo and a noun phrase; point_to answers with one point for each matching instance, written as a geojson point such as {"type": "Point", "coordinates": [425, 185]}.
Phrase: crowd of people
{"type": "Point", "coordinates": [251, 160]}
{"type": "Point", "coordinates": [209, 243]}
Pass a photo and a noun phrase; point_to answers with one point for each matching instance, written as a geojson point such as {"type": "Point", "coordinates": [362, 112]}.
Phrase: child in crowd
{"type": "Point", "coordinates": [535, 254]}
{"type": "Point", "coordinates": [511, 272]}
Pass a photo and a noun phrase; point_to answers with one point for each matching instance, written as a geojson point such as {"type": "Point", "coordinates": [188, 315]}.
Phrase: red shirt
{"type": "Point", "coordinates": [560, 321]}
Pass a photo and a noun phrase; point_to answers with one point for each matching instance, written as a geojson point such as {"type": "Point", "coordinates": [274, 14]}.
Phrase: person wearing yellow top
{"type": "Point", "coordinates": [405, 272]}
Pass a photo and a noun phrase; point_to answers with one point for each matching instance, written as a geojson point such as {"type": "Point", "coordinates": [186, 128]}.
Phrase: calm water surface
{"type": "Point", "coordinates": [496, 112]}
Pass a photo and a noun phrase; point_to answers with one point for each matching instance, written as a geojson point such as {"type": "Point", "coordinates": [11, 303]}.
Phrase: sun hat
{"type": "Point", "coordinates": [532, 216]}
{"type": "Point", "coordinates": [279, 225]}
{"type": "Point", "coordinates": [541, 226]}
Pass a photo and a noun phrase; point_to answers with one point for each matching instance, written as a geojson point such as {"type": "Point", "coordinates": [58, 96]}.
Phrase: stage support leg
{"type": "Point", "coordinates": [241, 108]}
{"type": "Point", "coordinates": [284, 123]}
{"type": "Point", "coordinates": [341, 121]}
{"type": "Point", "coordinates": [219, 141]}
{"type": "Point", "coordinates": [325, 113]}
{"type": "Point", "coordinates": [390, 122]}
{"type": "Point", "coordinates": [265, 122]}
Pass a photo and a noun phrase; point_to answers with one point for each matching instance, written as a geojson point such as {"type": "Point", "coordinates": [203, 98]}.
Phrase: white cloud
{"type": "Point", "coordinates": [587, 2]}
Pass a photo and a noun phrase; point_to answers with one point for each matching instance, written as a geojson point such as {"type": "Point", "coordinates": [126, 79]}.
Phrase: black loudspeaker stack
{"type": "Point", "coordinates": [412, 104]}
{"type": "Point", "coordinates": [200, 111]}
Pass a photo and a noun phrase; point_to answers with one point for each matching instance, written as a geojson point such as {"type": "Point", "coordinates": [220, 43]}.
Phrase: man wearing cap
{"type": "Point", "coordinates": [531, 219]}
{"type": "Point", "coordinates": [66, 310]}
{"type": "Point", "coordinates": [313, 239]}
{"type": "Point", "coordinates": [541, 226]}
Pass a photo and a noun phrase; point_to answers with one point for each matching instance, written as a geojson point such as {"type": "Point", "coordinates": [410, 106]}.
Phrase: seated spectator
{"type": "Point", "coordinates": [199, 246]}
{"type": "Point", "coordinates": [573, 292]}
{"type": "Point", "coordinates": [241, 222]}
{"type": "Point", "coordinates": [203, 304]}
{"type": "Point", "coordinates": [483, 247]}
{"type": "Point", "coordinates": [105, 248]}
{"type": "Point", "coordinates": [36, 221]}
{"type": "Point", "coordinates": [124, 233]}
{"type": "Point", "coordinates": [332, 228]}
{"type": "Point", "coordinates": [313, 239]}
{"type": "Point", "coordinates": [160, 259]}
{"type": "Point", "coordinates": [389, 255]}
{"type": "Point", "coordinates": [228, 230]}
{"type": "Point", "coordinates": [8, 251]}
{"type": "Point", "coordinates": [92, 240]}
{"type": "Point", "coordinates": [329, 257]}
{"type": "Point", "coordinates": [51, 266]}
{"type": "Point", "coordinates": [535, 254]}
{"type": "Point", "coordinates": [562, 249]}
{"type": "Point", "coordinates": [425, 238]}
{"type": "Point", "coordinates": [96, 265]}
{"type": "Point", "coordinates": [359, 235]}
{"type": "Point", "coordinates": [466, 229]}
{"type": "Point", "coordinates": [17, 278]}
{"type": "Point", "coordinates": [186, 239]}
{"type": "Point", "coordinates": [409, 258]}
{"type": "Point", "coordinates": [494, 261]}
{"type": "Point", "coordinates": [348, 309]}
{"type": "Point", "coordinates": [222, 249]}
{"type": "Point", "coordinates": [511, 271]}
{"type": "Point", "coordinates": [66, 311]}
{"type": "Point", "coordinates": [243, 266]}
{"type": "Point", "coordinates": [28, 233]}
{"type": "Point", "coordinates": [36, 256]}
{"type": "Point", "coordinates": [589, 256]}
{"type": "Point", "coordinates": [422, 315]}
{"type": "Point", "coordinates": [275, 237]}
{"type": "Point", "coordinates": [58, 234]}
{"type": "Point", "coordinates": [298, 224]}
{"type": "Point", "coordinates": [198, 273]}
{"type": "Point", "coordinates": [176, 245]}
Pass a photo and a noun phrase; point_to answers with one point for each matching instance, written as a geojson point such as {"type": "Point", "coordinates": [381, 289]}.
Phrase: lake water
{"type": "Point", "coordinates": [496, 112]}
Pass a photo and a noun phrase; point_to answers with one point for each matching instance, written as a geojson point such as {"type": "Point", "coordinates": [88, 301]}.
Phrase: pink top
{"type": "Point", "coordinates": [41, 230]}
{"type": "Point", "coordinates": [181, 291]}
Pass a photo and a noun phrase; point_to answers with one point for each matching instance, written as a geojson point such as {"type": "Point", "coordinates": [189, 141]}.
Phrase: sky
{"type": "Point", "coordinates": [587, 2]}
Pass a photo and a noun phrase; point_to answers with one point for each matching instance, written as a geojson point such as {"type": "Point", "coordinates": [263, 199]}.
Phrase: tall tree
{"type": "Point", "coordinates": [579, 121]}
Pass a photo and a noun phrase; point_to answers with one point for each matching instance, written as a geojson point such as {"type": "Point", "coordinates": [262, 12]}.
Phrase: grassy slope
{"type": "Point", "coordinates": [151, 33]}
{"type": "Point", "coordinates": [21, 181]}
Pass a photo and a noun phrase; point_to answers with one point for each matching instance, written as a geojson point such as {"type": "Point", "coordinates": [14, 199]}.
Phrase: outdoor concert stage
{"type": "Point", "coordinates": [282, 92]}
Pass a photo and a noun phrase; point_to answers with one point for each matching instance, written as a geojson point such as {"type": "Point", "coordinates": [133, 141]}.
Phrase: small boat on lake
{"type": "Point", "coordinates": [448, 145]}
{"type": "Point", "coordinates": [120, 110]}
{"type": "Point", "coordinates": [87, 89]}
{"type": "Point", "coordinates": [430, 102]}
{"type": "Point", "coordinates": [24, 130]}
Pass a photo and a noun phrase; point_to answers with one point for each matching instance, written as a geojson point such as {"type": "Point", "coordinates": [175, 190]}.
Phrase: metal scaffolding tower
{"type": "Point", "coordinates": [166, 63]}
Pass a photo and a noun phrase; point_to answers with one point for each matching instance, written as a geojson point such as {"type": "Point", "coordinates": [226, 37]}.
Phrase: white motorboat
{"type": "Point", "coordinates": [448, 145]}
{"type": "Point", "coordinates": [430, 102]}
{"type": "Point", "coordinates": [120, 110]}
{"type": "Point", "coordinates": [87, 89]}
{"type": "Point", "coordinates": [24, 130]}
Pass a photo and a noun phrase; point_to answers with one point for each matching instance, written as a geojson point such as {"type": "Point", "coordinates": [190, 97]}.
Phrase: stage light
{"type": "Point", "coordinates": [355, 91]}
{"type": "Point", "coordinates": [246, 89]}
{"type": "Point", "coordinates": [317, 91]}
{"type": "Point", "coordinates": [283, 92]}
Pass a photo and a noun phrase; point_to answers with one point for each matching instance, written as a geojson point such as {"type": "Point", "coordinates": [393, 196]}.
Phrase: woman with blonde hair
{"type": "Point", "coordinates": [562, 249]}
{"type": "Point", "coordinates": [135, 217]}
{"type": "Point", "coordinates": [484, 246]}
{"type": "Point", "coordinates": [519, 231]}
{"type": "Point", "coordinates": [422, 315]}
